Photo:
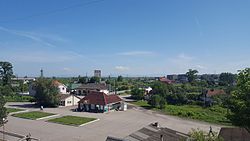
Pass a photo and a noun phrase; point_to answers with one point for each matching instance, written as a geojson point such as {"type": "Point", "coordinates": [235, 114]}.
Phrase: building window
{"type": "Point", "coordinates": [68, 102]}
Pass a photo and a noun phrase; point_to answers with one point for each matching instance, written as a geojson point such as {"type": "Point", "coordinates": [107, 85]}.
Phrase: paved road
{"type": "Point", "coordinates": [117, 124]}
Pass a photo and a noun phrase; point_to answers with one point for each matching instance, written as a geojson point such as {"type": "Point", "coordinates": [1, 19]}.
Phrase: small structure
{"type": "Point", "coordinates": [165, 80]}
{"type": "Point", "coordinates": [98, 73]}
{"type": "Point", "coordinates": [85, 89]}
{"type": "Point", "coordinates": [153, 132]}
{"type": "Point", "coordinates": [100, 102]}
{"type": "Point", "coordinates": [68, 100]}
{"type": "Point", "coordinates": [234, 134]}
{"type": "Point", "coordinates": [213, 92]}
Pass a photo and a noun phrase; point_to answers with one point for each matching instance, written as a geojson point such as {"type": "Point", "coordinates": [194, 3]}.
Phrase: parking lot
{"type": "Point", "coordinates": [117, 124]}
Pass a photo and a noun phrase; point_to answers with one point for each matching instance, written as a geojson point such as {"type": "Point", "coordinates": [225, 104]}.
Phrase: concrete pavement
{"type": "Point", "coordinates": [117, 124]}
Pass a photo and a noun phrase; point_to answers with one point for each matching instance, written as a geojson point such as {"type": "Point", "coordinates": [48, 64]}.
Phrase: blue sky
{"type": "Point", "coordinates": [128, 37]}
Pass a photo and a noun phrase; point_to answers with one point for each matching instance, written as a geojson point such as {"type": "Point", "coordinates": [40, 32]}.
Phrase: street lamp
{"type": "Point", "coordinates": [4, 122]}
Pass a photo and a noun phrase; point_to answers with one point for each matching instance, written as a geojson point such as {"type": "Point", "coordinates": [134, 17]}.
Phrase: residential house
{"type": "Point", "coordinates": [61, 87]}
{"type": "Point", "coordinates": [207, 97]}
{"type": "Point", "coordinates": [68, 100]}
{"type": "Point", "coordinates": [85, 89]}
{"type": "Point", "coordinates": [166, 80]}
{"type": "Point", "coordinates": [101, 102]}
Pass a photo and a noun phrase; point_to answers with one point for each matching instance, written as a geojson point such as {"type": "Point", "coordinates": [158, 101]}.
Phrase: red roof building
{"type": "Point", "coordinates": [165, 80]}
{"type": "Point", "coordinates": [100, 102]}
{"type": "Point", "coordinates": [213, 92]}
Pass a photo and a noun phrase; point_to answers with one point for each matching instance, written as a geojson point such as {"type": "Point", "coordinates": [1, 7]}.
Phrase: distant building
{"type": "Point", "coordinates": [61, 87]}
{"type": "Point", "coordinates": [165, 80]}
{"type": "Point", "coordinates": [173, 77]}
{"type": "Point", "coordinates": [98, 73]}
{"type": "Point", "coordinates": [85, 89]}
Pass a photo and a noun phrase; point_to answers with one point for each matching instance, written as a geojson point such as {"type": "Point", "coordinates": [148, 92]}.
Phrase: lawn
{"type": "Point", "coordinates": [33, 115]}
{"type": "Point", "coordinates": [72, 120]}
{"type": "Point", "coordinates": [12, 110]}
{"type": "Point", "coordinates": [215, 114]}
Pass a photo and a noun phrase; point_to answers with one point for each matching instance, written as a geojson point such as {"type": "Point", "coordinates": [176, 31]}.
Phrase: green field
{"type": "Point", "coordinates": [72, 120]}
{"type": "Point", "coordinates": [33, 115]}
{"type": "Point", "coordinates": [213, 114]}
{"type": "Point", "coordinates": [12, 110]}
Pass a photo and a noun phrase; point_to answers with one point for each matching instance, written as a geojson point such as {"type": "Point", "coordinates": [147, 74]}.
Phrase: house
{"type": "Point", "coordinates": [68, 100]}
{"type": "Point", "coordinates": [153, 132]}
{"type": "Point", "coordinates": [101, 102]}
{"type": "Point", "coordinates": [85, 89]}
{"type": "Point", "coordinates": [165, 80]}
{"type": "Point", "coordinates": [61, 87]}
{"type": "Point", "coordinates": [213, 92]}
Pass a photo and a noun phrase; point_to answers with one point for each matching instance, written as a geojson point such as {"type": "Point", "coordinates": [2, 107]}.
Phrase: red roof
{"type": "Point", "coordinates": [215, 92]}
{"type": "Point", "coordinates": [56, 83]}
{"type": "Point", "coordinates": [100, 98]}
{"type": "Point", "coordinates": [165, 80]}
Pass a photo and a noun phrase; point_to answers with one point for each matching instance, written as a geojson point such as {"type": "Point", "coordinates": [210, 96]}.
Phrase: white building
{"type": "Point", "coordinates": [68, 100]}
{"type": "Point", "coordinates": [98, 73]}
{"type": "Point", "coordinates": [61, 88]}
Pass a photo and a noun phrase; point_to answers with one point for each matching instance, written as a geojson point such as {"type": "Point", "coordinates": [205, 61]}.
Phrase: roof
{"type": "Point", "coordinates": [64, 96]}
{"type": "Point", "coordinates": [93, 86]}
{"type": "Point", "coordinates": [165, 80]}
{"type": "Point", "coordinates": [234, 134]}
{"type": "Point", "coordinates": [153, 133]}
{"type": "Point", "coordinates": [100, 98]}
{"type": "Point", "coordinates": [57, 83]}
{"type": "Point", "coordinates": [215, 92]}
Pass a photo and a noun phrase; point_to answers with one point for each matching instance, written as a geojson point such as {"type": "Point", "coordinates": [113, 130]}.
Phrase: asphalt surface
{"type": "Point", "coordinates": [116, 124]}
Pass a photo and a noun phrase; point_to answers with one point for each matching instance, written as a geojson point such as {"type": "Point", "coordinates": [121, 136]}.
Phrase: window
{"type": "Point", "coordinates": [68, 102]}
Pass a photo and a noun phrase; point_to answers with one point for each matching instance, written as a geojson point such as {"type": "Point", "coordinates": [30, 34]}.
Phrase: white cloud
{"type": "Point", "coordinates": [121, 68]}
{"type": "Point", "coordinates": [136, 53]}
{"type": "Point", "coordinates": [33, 36]}
{"type": "Point", "coordinates": [67, 69]}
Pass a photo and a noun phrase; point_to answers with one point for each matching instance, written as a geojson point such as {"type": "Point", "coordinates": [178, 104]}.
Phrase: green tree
{"type": "Point", "coordinates": [227, 79]}
{"type": "Point", "coordinates": [46, 93]}
{"type": "Point", "coordinates": [119, 78]}
{"type": "Point", "coordinates": [6, 72]}
{"type": "Point", "coordinates": [3, 112]}
{"type": "Point", "coordinates": [137, 93]}
{"type": "Point", "coordinates": [94, 79]}
{"type": "Point", "coordinates": [155, 101]}
{"type": "Point", "coordinates": [191, 75]}
{"type": "Point", "coordinates": [6, 90]}
{"type": "Point", "coordinates": [162, 103]}
{"type": "Point", "coordinates": [199, 135]}
{"type": "Point", "coordinates": [239, 103]}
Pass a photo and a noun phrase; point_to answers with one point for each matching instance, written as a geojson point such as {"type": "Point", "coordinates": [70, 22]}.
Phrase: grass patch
{"type": "Point", "coordinates": [215, 114]}
{"type": "Point", "coordinates": [142, 103]}
{"type": "Point", "coordinates": [72, 120]}
{"type": "Point", "coordinates": [33, 115]}
{"type": "Point", "coordinates": [12, 110]}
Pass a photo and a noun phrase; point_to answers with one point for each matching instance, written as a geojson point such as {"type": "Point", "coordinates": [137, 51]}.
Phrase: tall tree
{"type": "Point", "coordinates": [95, 79]}
{"type": "Point", "coordinates": [239, 103]}
{"type": "Point", "coordinates": [137, 93]}
{"type": "Point", "coordinates": [3, 112]}
{"type": "Point", "coordinates": [119, 78]}
{"type": "Point", "coordinates": [6, 72]}
{"type": "Point", "coordinates": [191, 75]}
{"type": "Point", "coordinates": [227, 79]}
{"type": "Point", "coordinates": [46, 93]}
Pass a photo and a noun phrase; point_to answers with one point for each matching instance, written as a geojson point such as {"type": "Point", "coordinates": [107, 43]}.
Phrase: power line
{"type": "Point", "coordinates": [53, 11]}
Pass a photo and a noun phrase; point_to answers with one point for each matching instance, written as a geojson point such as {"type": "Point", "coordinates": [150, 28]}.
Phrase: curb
{"type": "Point", "coordinates": [89, 122]}
{"type": "Point", "coordinates": [18, 112]}
{"type": "Point", "coordinates": [48, 117]}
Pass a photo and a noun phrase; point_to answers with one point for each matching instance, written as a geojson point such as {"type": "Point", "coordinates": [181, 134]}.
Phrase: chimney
{"type": "Point", "coordinates": [161, 137]}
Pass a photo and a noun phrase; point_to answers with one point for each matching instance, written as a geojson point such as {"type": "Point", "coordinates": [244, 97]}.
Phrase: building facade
{"type": "Point", "coordinates": [98, 73]}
